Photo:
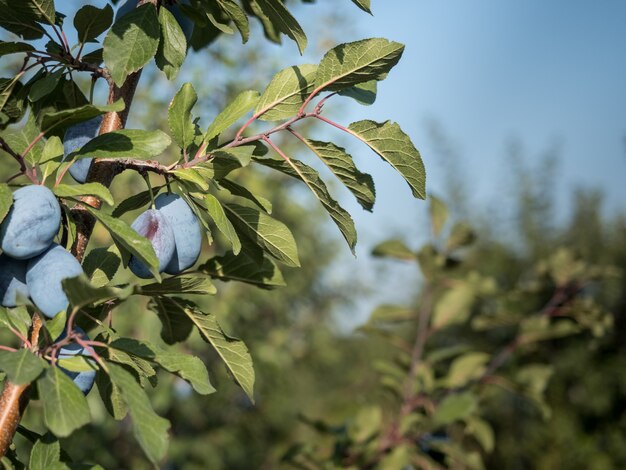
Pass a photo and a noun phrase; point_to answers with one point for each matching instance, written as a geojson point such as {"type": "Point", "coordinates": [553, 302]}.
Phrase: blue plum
{"type": "Point", "coordinates": [12, 281]}
{"type": "Point", "coordinates": [185, 23]}
{"type": "Point", "coordinates": [32, 223]}
{"type": "Point", "coordinates": [187, 231]}
{"type": "Point", "coordinates": [76, 137]}
{"type": "Point", "coordinates": [44, 275]}
{"type": "Point", "coordinates": [153, 225]}
{"type": "Point", "coordinates": [85, 379]}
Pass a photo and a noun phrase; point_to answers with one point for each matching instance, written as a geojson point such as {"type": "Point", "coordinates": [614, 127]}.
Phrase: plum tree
{"type": "Point", "coordinates": [186, 229]}
{"type": "Point", "coordinates": [75, 137]}
{"type": "Point", "coordinates": [154, 226]}
{"type": "Point", "coordinates": [172, 6]}
{"type": "Point", "coordinates": [12, 281]}
{"type": "Point", "coordinates": [84, 379]}
{"type": "Point", "coordinates": [32, 222]}
{"type": "Point", "coordinates": [44, 274]}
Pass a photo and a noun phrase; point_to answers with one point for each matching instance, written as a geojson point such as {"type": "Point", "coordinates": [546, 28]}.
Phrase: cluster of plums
{"type": "Point", "coordinates": [33, 266]}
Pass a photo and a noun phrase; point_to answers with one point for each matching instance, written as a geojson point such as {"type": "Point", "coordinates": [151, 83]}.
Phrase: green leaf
{"type": "Point", "coordinates": [232, 351]}
{"type": "Point", "coordinates": [21, 18]}
{"type": "Point", "coordinates": [342, 165]}
{"type": "Point", "coordinates": [12, 100]}
{"type": "Point", "coordinates": [81, 293]}
{"type": "Point", "coordinates": [242, 268]}
{"type": "Point", "coordinates": [281, 20]}
{"type": "Point", "coordinates": [176, 326]}
{"type": "Point", "coordinates": [438, 214]}
{"type": "Point", "coordinates": [363, 5]}
{"type": "Point", "coordinates": [181, 284]}
{"type": "Point", "coordinates": [126, 143]}
{"type": "Point", "coordinates": [216, 211]}
{"type": "Point", "coordinates": [396, 148]}
{"type": "Point", "coordinates": [394, 249]}
{"type": "Point", "coordinates": [42, 9]}
{"type": "Point", "coordinates": [17, 318]}
{"type": "Point", "coordinates": [386, 314]}
{"type": "Point", "coordinates": [190, 175]}
{"type": "Point", "coordinates": [367, 423]}
{"type": "Point", "coordinates": [286, 93]}
{"type": "Point", "coordinates": [111, 397]}
{"type": "Point", "coordinates": [242, 104]}
{"type": "Point", "coordinates": [455, 407]}
{"type": "Point", "coordinates": [149, 429]}
{"type": "Point", "coordinates": [239, 17]}
{"type": "Point", "coordinates": [6, 200]}
{"type": "Point", "coordinates": [179, 116]}
{"type": "Point", "coordinates": [131, 42]}
{"type": "Point", "coordinates": [172, 48]}
{"type": "Point", "coordinates": [126, 237]}
{"type": "Point", "coordinates": [7, 48]}
{"type": "Point", "coordinates": [65, 408]}
{"type": "Point", "coordinates": [482, 432]}
{"type": "Point", "coordinates": [311, 178]}
{"type": "Point", "coordinates": [90, 22]}
{"type": "Point", "coordinates": [466, 368]}
{"type": "Point", "coordinates": [73, 191]}
{"type": "Point", "coordinates": [100, 265]}
{"type": "Point", "coordinates": [136, 201]}
{"type": "Point", "coordinates": [45, 454]}
{"type": "Point", "coordinates": [271, 235]}
{"type": "Point", "coordinates": [21, 366]}
{"type": "Point", "coordinates": [58, 121]}
{"type": "Point", "coordinates": [363, 93]}
{"type": "Point", "coordinates": [51, 156]}
{"type": "Point", "coordinates": [461, 236]}
{"type": "Point", "coordinates": [350, 64]}
{"type": "Point", "coordinates": [454, 306]}
{"type": "Point", "coordinates": [238, 190]}
{"type": "Point", "coordinates": [56, 325]}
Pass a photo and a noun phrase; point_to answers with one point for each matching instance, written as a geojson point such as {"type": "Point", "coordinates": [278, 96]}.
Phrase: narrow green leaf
{"type": "Point", "coordinates": [179, 116]}
{"type": "Point", "coordinates": [286, 93]}
{"type": "Point", "coordinates": [233, 351]}
{"type": "Point", "coordinates": [271, 235]}
{"type": "Point", "coordinates": [181, 284]}
{"type": "Point", "coordinates": [454, 306]}
{"type": "Point", "coordinates": [282, 21]}
{"type": "Point", "coordinates": [190, 175]}
{"type": "Point", "coordinates": [126, 143]}
{"type": "Point", "coordinates": [242, 104]}
{"type": "Point", "coordinates": [311, 178]}
{"type": "Point", "coordinates": [350, 64]}
{"type": "Point", "coordinates": [238, 190]}
{"type": "Point", "coordinates": [73, 191]}
{"type": "Point", "coordinates": [396, 148]}
{"type": "Point", "coordinates": [438, 214]}
{"type": "Point", "coordinates": [363, 5]}
{"type": "Point", "coordinates": [56, 325]}
{"type": "Point", "coordinates": [21, 366]}
{"type": "Point", "coordinates": [6, 200]}
{"type": "Point", "coordinates": [172, 48]}
{"type": "Point", "coordinates": [242, 268]}
{"type": "Point", "coordinates": [465, 368]}
{"type": "Point", "coordinates": [394, 249]}
{"type": "Point", "coordinates": [58, 121]}
{"type": "Point", "coordinates": [130, 240]}
{"type": "Point", "coordinates": [239, 17]}
{"type": "Point", "coordinates": [149, 429]}
{"type": "Point", "coordinates": [341, 164]}
{"type": "Point", "coordinates": [7, 48]}
{"type": "Point", "coordinates": [176, 326]}
{"type": "Point", "coordinates": [81, 293]}
{"type": "Point", "coordinates": [131, 42]}
{"type": "Point", "coordinates": [65, 408]}
{"type": "Point", "coordinates": [90, 22]}
{"type": "Point", "coordinates": [216, 211]}
{"type": "Point", "coordinates": [136, 201]}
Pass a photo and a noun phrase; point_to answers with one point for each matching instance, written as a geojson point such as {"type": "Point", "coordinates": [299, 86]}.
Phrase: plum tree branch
{"type": "Point", "coordinates": [30, 173]}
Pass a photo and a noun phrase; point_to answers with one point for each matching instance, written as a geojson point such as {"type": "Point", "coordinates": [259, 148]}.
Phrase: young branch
{"type": "Point", "coordinates": [30, 173]}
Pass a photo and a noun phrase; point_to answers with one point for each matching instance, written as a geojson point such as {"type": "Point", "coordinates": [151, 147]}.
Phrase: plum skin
{"type": "Point", "coordinates": [153, 225]}
{"type": "Point", "coordinates": [84, 380]}
{"type": "Point", "coordinates": [31, 224]}
{"type": "Point", "coordinates": [76, 137]}
{"type": "Point", "coordinates": [12, 281]}
{"type": "Point", "coordinates": [44, 274]}
{"type": "Point", "coordinates": [185, 23]}
{"type": "Point", "coordinates": [186, 228]}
